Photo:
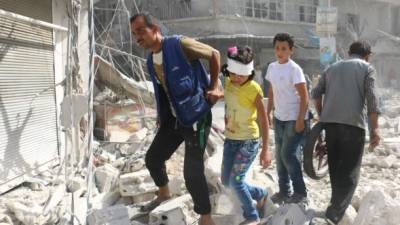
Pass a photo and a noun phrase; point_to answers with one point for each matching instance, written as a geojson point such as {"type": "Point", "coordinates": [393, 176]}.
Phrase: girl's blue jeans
{"type": "Point", "coordinates": [237, 159]}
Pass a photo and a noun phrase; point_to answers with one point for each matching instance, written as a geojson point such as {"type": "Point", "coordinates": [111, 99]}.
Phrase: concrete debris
{"type": "Point", "coordinates": [137, 183]}
{"type": "Point", "coordinates": [123, 184]}
{"type": "Point", "coordinates": [5, 220]}
{"type": "Point", "coordinates": [388, 161]}
{"type": "Point", "coordinates": [291, 214]}
{"type": "Point", "coordinates": [172, 212]}
{"type": "Point", "coordinates": [105, 199]}
{"type": "Point", "coordinates": [378, 208]}
{"type": "Point", "coordinates": [75, 184]}
{"type": "Point", "coordinates": [106, 157]}
{"type": "Point", "coordinates": [55, 198]}
{"type": "Point", "coordinates": [139, 136]}
{"type": "Point", "coordinates": [106, 178]}
{"type": "Point", "coordinates": [145, 197]}
{"type": "Point", "coordinates": [226, 204]}
{"type": "Point", "coordinates": [28, 215]}
{"type": "Point", "coordinates": [134, 165]}
{"type": "Point", "coordinates": [115, 80]}
{"type": "Point", "coordinates": [115, 215]}
{"type": "Point", "coordinates": [227, 219]}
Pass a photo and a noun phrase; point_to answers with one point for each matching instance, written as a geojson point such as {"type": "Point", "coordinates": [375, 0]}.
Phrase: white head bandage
{"type": "Point", "coordinates": [240, 68]}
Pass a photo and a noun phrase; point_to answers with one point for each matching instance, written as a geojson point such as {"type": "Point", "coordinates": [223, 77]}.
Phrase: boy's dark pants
{"type": "Point", "coordinates": [345, 146]}
{"type": "Point", "coordinates": [165, 143]}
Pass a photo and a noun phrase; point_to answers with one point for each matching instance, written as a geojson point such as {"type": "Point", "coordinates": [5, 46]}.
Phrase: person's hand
{"type": "Point", "coordinates": [265, 158]}
{"type": "Point", "coordinates": [375, 139]}
{"type": "Point", "coordinates": [299, 126]}
{"type": "Point", "coordinates": [212, 95]}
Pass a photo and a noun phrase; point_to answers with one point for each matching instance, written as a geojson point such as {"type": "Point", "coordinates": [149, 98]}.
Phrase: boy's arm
{"type": "Point", "coordinates": [265, 157]}
{"type": "Point", "coordinates": [302, 91]}
{"type": "Point", "coordinates": [270, 103]}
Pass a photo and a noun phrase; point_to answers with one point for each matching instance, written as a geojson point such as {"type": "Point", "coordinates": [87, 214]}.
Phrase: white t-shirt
{"type": "Point", "coordinates": [283, 78]}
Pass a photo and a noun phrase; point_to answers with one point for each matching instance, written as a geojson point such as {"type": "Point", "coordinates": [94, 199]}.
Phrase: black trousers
{"type": "Point", "coordinates": [167, 140]}
{"type": "Point", "coordinates": [345, 146]}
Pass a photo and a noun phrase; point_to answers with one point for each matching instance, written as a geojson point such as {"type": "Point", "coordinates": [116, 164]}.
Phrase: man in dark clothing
{"type": "Point", "coordinates": [349, 98]}
{"type": "Point", "coordinates": [184, 95]}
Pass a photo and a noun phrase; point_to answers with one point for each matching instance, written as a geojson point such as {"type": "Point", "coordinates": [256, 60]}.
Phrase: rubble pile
{"type": "Point", "coordinates": [122, 183]}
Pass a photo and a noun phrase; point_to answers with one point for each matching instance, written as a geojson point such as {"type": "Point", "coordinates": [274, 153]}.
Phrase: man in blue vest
{"type": "Point", "coordinates": [184, 95]}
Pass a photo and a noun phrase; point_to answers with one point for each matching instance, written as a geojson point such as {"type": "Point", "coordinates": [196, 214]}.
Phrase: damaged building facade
{"type": "Point", "coordinates": [33, 56]}
{"type": "Point", "coordinates": [108, 181]}
{"type": "Point", "coordinates": [377, 21]}
{"type": "Point", "coordinates": [223, 23]}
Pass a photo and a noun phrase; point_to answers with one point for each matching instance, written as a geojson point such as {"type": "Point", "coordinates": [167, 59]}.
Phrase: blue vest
{"type": "Point", "coordinates": [186, 83]}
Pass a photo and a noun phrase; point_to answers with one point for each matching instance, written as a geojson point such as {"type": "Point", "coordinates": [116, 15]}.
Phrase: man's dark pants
{"type": "Point", "coordinates": [345, 146]}
{"type": "Point", "coordinates": [168, 138]}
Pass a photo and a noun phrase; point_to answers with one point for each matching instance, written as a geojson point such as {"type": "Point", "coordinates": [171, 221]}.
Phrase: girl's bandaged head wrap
{"type": "Point", "coordinates": [238, 67]}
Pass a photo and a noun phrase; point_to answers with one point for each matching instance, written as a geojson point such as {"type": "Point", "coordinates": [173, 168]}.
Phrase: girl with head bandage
{"type": "Point", "coordinates": [243, 106]}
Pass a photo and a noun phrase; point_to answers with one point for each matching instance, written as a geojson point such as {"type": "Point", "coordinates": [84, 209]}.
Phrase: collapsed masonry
{"type": "Point", "coordinates": [122, 184]}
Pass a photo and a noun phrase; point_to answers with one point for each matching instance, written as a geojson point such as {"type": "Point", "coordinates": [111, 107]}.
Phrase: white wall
{"type": "Point", "coordinates": [60, 18]}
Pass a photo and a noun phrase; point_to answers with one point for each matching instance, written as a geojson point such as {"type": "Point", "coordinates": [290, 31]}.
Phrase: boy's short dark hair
{"type": "Point", "coordinates": [148, 18]}
{"type": "Point", "coordinates": [361, 48]}
{"type": "Point", "coordinates": [284, 37]}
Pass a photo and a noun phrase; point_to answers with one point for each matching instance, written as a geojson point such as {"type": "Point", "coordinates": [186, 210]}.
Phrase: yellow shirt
{"type": "Point", "coordinates": [241, 110]}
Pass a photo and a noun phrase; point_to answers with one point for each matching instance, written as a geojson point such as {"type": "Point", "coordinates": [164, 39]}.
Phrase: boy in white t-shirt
{"type": "Point", "coordinates": [288, 97]}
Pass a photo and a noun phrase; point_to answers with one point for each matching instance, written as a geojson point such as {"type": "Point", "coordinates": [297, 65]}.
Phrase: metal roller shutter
{"type": "Point", "coordinates": [28, 123]}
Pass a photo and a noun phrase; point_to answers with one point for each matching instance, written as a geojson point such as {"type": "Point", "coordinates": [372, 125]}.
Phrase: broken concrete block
{"type": "Point", "coordinates": [378, 208]}
{"type": "Point", "coordinates": [106, 177]}
{"type": "Point", "coordinates": [136, 223]}
{"type": "Point", "coordinates": [119, 163]}
{"type": "Point", "coordinates": [137, 183]}
{"type": "Point", "coordinates": [290, 214]}
{"type": "Point", "coordinates": [105, 199]}
{"type": "Point", "coordinates": [124, 200]}
{"type": "Point", "coordinates": [55, 198]}
{"type": "Point", "coordinates": [349, 216]}
{"type": "Point", "coordinates": [28, 215]}
{"type": "Point", "coordinates": [75, 184]}
{"type": "Point", "coordinates": [106, 157]}
{"type": "Point", "coordinates": [135, 213]}
{"type": "Point", "coordinates": [171, 212]}
{"type": "Point", "coordinates": [114, 215]}
{"type": "Point", "coordinates": [388, 161]}
{"type": "Point", "coordinates": [5, 220]}
{"type": "Point", "coordinates": [135, 165]}
{"type": "Point", "coordinates": [225, 204]}
{"type": "Point", "coordinates": [226, 219]}
{"type": "Point", "coordinates": [139, 135]}
{"type": "Point", "coordinates": [127, 149]}
{"type": "Point", "coordinates": [143, 197]}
